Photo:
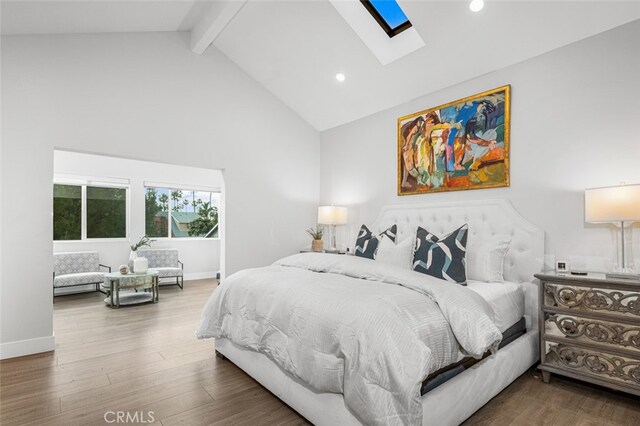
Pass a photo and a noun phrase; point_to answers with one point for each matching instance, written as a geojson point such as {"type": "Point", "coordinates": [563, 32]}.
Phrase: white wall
{"type": "Point", "coordinates": [142, 96]}
{"type": "Point", "coordinates": [201, 257]}
{"type": "Point", "coordinates": [575, 125]}
{"type": "Point", "coordinates": [1, 207]}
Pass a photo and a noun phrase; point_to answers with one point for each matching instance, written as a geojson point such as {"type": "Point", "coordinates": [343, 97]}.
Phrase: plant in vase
{"type": "Point", "coordinates": [139, 264]}
{"type": "Point", "coordinates": [316, 233]}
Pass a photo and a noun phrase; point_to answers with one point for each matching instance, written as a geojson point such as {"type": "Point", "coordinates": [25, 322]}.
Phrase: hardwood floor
{"type": "Point", "coordinates": [145, 360]}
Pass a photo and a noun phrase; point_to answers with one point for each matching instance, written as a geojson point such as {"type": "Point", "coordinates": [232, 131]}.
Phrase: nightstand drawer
{"type": "Point", "coordinates": [613, 370]}
{"type": "Point", "coordinates": [606, 334]}
{"type": "Point", "coordinates": [597, 302]}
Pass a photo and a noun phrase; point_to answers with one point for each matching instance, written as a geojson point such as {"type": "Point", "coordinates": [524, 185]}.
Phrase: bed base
{"type": "Point", "coordinates": [449, 404]}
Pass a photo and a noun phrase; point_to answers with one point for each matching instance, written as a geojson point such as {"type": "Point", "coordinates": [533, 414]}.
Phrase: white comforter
{"type": "Point", "coordinates": [350, 325]}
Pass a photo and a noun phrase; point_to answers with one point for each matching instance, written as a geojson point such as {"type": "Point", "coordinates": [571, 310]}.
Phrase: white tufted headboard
{"type": "Point", "coordinates": [485, 218]}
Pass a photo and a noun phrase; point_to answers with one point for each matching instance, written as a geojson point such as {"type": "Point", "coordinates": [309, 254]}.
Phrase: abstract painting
{"type": "Point", "coordinates": [457, 146]}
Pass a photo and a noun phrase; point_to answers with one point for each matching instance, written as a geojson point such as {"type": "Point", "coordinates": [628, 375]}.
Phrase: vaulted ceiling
{"type": "Point", "coordinates": [295, 48]}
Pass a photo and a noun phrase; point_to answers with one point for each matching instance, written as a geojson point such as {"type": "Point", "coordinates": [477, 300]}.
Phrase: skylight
{"type": "Point", "coordinates": [384, 46]}
{"type": "Point", "coordinates": [388, 15]}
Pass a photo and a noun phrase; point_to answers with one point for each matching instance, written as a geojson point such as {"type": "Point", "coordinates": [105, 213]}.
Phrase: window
{"type": "Point", "coordinates": [106, 212]}
{"type": "Point", "coordinates": [388, 14]}
{"type": "Point", "coordinates": [87, 212]}
{"type": "Point", "coordinates": [67, 212]}
{"type": "Point", "coordinates": [179, 213]}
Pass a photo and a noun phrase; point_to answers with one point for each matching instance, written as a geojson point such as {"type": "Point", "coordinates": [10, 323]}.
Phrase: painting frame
{"type": "Point", "coordinates": [452, 175]}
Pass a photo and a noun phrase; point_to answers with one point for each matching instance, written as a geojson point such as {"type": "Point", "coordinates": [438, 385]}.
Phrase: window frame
{"type": "Point", "coordinates": [391, 32]}
{"type": "Point", "coordinates": [83, 184]}
{"type": "Point", "coordinates": [192, 188]}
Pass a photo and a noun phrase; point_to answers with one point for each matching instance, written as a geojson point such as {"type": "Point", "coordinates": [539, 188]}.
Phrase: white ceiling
{"type": "Point", "coordinates": [295, 48]}
{"type": "Point", "coordinates": [97, 16]}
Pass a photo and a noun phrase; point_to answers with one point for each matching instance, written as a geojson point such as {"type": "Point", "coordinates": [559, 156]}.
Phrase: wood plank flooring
{"type": "Point", "coordinates": [146, 359]}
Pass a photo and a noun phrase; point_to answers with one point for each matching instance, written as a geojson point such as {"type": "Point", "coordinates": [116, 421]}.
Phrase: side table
{"type": "Point", "coordinates": [117, 281]}
{"type": "Point", "coordinates": [590, 330]}
{"type": "Point", "coordinates": [323, 251]}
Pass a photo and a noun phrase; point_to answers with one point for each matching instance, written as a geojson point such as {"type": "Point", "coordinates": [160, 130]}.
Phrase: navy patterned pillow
{"type": "Point", "coordinates": [442, 257]}
{"type": "Point", "coordinates": [367, 243]}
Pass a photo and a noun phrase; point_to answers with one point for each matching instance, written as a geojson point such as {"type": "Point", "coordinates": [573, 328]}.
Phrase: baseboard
{"type": "Point", "coordinates": [199, 275]}
{"type": "Point", "coordinates": [27, 347]}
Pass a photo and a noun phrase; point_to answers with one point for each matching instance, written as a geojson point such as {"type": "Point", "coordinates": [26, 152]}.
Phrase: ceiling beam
{"type": "Point", "coordinates": [213, 22]}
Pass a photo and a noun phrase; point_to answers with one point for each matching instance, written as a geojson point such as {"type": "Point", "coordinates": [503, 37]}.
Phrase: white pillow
{"type": "Point", "coordinates": [485, 259]}
{"type": "Point", "coordinates": [395, 254]}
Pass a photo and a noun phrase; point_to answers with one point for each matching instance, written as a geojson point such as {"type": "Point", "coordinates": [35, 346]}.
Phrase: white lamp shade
{"type": "Point", "coordinates": [612, 204]}
{"type": "Point", "coordinates": [332, 215]}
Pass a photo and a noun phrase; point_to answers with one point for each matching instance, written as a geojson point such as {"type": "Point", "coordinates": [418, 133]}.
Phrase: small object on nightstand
{"type": "Point", "coordinates": [562, 267]}
{"type": "Point", "coordinates": [316, 245]}
{"type": "Point", "coordinates": [316, 233]}
{"type": "Point", "coordinates": [124, 269]}
{"type": "Point", "coordinates": [580, 273]}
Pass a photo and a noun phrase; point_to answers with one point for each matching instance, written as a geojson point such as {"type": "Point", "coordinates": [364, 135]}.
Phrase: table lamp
{"type": "Point", "coordinates": [614, 204]}
{"type": "Point", "coordinates": [332, 216]}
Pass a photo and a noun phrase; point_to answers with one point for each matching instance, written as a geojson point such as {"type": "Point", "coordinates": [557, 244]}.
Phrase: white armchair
{"type": "Point", "coordinates": [78, 268]}
{"type": "Point", "coordinates": [166, 262]}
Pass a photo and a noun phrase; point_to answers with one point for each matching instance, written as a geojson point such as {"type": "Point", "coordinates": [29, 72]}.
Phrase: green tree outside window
{"type": "Point", "coordinates": [106, 212]}
{"type": "Point", "coordinates": [67, 212]}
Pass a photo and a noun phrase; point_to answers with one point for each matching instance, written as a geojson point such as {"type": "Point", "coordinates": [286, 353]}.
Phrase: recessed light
{"type": "Point", "coordinates": [476, 5]}
{"type": "Point", "coordinates": [340, 77]}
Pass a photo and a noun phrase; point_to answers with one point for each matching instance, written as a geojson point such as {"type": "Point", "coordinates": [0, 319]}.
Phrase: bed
{"type": "Point", "coordinates": [453, 401]}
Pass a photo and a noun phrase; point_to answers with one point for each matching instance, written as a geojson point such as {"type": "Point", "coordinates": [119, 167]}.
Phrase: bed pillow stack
{"type": "Point", "coordinates": [395, 254]}
{"type": "Point", "coordinates": [442, 257]}
{"type": "Point", "coordinates": [485, 259]}
{"type": "Point", "coordinates": [367, 243]}
{"type": "Point", "coordinates": [449, 258]}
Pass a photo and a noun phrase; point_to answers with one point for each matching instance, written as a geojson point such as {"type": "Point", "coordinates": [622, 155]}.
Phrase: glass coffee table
{"type": "Point", "coordinates": [116, 281]}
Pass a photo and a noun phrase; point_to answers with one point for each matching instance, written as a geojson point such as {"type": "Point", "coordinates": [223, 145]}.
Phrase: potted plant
{"type": "Point", "coordinates": [133, 256]}
{"type": "Point", "coordinates": [316, 233]}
